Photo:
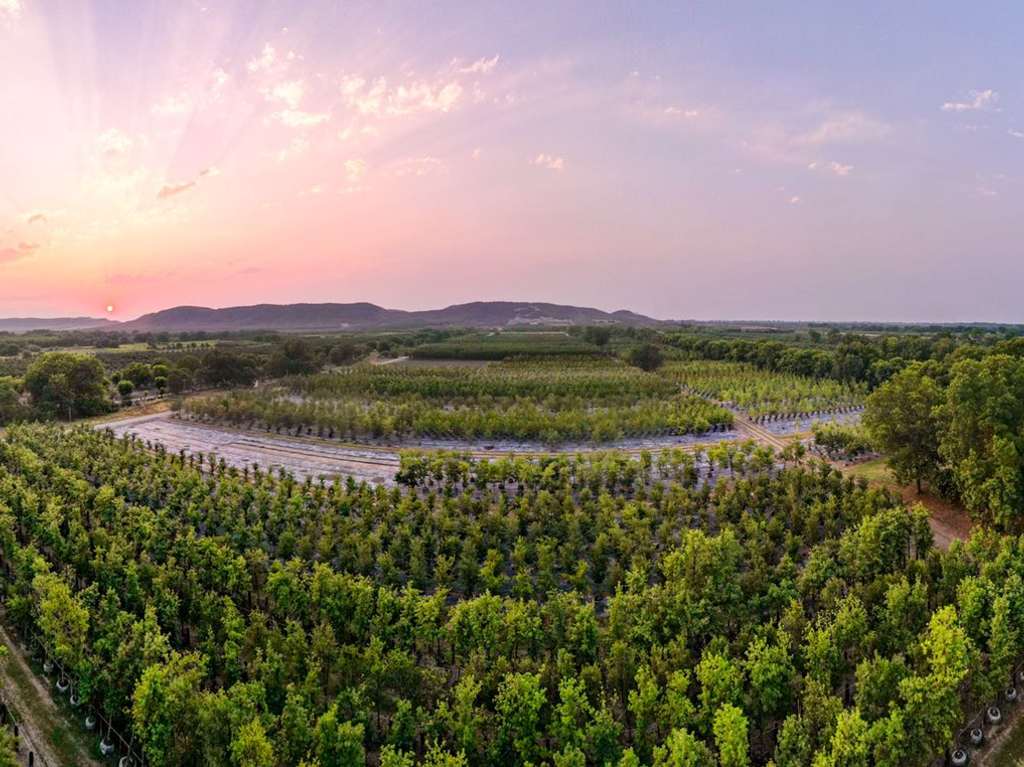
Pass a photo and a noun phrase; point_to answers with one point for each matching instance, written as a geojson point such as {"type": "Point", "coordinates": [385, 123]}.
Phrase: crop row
{"type": "Point", "coordinates": [552, 421]}
{"type": "Point", "coordinates": [761, 392]}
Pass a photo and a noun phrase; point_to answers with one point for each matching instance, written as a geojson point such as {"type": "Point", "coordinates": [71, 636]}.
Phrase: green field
{"type": "Point", "coordinates": [568, 399]}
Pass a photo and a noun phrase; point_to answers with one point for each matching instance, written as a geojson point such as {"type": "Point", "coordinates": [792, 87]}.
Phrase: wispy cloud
{"type": "Point", "coordinates": [836, 167]}
{"type": "Point", "coordinates": [549, 161]}
{"type": "Point", "coordinates": [113, 142]}
{"type": "Point", "coordinates": [289, 93]}
{"type": "Point", "coordinates": [674, 111]}
{"type": "Point", "coordinates": [847, 127]}
{"type": "Point", "coordinates": [297, 147]}
{"type": "Point", "coordinates": [294, 118]}
{"type": "Point", "coordinates": [172, 106]}
{"type": "Point", "coordinates": [264, 61]}
{"type": "Point", "coordinates": [980, 100]}
{"type": "Point", "coordinates": [380, 99]}
{"type": "Point", "coordinates": [170, 190]}
{"type": "Point", "coordinates": [355, 169]}
{"type": "Point", "coordinates": [418, 166]}
{"type": "Point", "coordinates": [10, 9]}
{"type": "Point", "coordinates": [19, 251]}
{"type": "Point", "coordinates": [481, 66]}
{"type": "Point", "coordinates": [1016, 133]}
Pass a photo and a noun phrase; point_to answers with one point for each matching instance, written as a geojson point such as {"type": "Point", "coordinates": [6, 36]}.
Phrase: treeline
{"type": "Point", "coordinates": [854, 358]}
{"type": "Point", "coordinates": [572, 611]}
{"type": "Point", "coordinates": [960, 428]}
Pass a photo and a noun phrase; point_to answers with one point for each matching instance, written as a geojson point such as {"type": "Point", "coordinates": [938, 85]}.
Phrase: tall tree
{"type": "Point", "coordinates": [901, 417]}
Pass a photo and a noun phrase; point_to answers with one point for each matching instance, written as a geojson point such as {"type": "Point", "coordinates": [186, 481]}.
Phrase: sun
{"type": "Point", "coordinates": [110, 308]}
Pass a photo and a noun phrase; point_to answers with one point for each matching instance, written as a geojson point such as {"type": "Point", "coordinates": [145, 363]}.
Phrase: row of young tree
{"type": "Point", "coordinates": [549, 421]}
{"type": "Point", "coordinates": [569, 612]}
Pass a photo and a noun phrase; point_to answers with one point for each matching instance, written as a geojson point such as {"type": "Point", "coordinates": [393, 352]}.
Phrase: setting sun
{"type": "Point", "coordinates": [110, 308]}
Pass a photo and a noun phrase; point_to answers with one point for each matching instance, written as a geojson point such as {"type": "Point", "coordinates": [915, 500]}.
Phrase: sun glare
{"type": "Point", "coordinates": [110, 308]}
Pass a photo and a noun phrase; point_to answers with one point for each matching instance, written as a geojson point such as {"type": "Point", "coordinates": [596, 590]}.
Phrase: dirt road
{"type": "Point", "coordinates": [45, 730]}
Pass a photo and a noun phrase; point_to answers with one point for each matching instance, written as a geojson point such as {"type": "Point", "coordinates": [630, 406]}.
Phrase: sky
{"type": "Point", "coordinates": [711, 160]}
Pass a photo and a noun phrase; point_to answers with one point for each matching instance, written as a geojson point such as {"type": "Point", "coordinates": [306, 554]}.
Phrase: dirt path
{"type": "Point", "coordinates": [45, 730]}
{"type": "Point", "coordinates": [948, 521]}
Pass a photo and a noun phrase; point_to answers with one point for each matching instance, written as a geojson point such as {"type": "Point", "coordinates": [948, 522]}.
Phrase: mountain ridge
{"type": "Point", "coordinates": [360, 315]}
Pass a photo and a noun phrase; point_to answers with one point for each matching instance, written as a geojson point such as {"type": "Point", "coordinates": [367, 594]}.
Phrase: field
{"type": "Point", "coordinates": [546, 401]}
{"type": "Point", "coordinates": [610, 592]}
{"type": "Point", "coordinates": [759, 393]}
{"type": "Point", "coordinates": [499, 346]}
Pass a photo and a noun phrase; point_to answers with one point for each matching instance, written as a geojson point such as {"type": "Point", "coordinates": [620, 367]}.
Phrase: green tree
{"type": "Point", "coordinates": [67, 385]}
{"type": "Point", "coordinates": [902, 418]}
{"type": "Point", "coordinates": [11, 408]}
{"type": "Point", "coordinates": [519, 703]}
{"type": "Point", "coordinates": [337, 743]}
{"type": "Point", "coordinates": [165, 714]}
{"type": "Point", "coordinates": [730, 729]}
{"type": "Point", "coordinates": [646, 357]}
{"type": "Point", "coordinates": [983, 439]}
{"type": "Point", "coordinates": [125, 389]}
{"type": "Point", "coordinates": [251, 748]}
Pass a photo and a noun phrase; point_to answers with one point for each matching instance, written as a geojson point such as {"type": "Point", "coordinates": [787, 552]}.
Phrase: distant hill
{"type": "Point", "coordinates": [363, 316]}
{"type": "Point", "coordinates": [24, 324]}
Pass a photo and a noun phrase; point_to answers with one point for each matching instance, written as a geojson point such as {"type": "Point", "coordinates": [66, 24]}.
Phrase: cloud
{"type": "Point", "coordinates": [549, 161]}
{"type": "Point", "coordinates": [838, 168]}
{"type": "Point", "coordinates": [170, 190]}
{"type": "Point", "coordinates": [288, 93]}
{"type": "Point", "coordinates": [844, 128]}
{"type": "Point", "coordinates": [113, 142]}
{"type": "Point", "coordinates": [355, 169]}
{"type": "Point", "coordinates": [794, 200]}
{"type": "Point", "coordinates": [294, 149]}
{"type": "Point", "coordinates": [418, 166]}
{"type": "Point", "coordinates": [263, 62]}
{"type": "Point", "coordinates": [1016, 133]}
{"type": "Point", "coordinates": [980, 100]}
{"type": "Point", "coordinates": [21, 250]}
{"type": "Point", "coordinates": [220, 79]}
{"type": "Point", "coordinates": [36, 217]}
{"type": "Point", "coordinates": [475, 154]}
{"type": "Point", "coordinates": [984, 191]}
{"type": "Point", "coordinates": [171, 106]}
{"type": "Point", "coordinates": [10, 9]}
{"type": "Point", "coordinates": [680, 112]}
{"type": "Point", "coordinates": [379, 99]}
{"type": "Point", "coordinates": [481, 66]}
{"type": "Point", "coordinates": [294, 118]}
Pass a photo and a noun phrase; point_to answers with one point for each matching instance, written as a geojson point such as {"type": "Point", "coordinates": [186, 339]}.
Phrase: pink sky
{"type": "Point", "coordinates": [664, 161]}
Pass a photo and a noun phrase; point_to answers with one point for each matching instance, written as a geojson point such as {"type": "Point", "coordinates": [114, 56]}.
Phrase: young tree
{"type": "Point", "coordinates": [165, 714]}
{"type": "Point", "coordinates": [519, 703]}
{"type": "Point", "coordinates": [731, 737]}
{"type": "Point", "coordinates": [251, 748]}
{"type": "Point", "coordinates": [902, 418]}
{"type": "Point", "coordinates": [125, 389]}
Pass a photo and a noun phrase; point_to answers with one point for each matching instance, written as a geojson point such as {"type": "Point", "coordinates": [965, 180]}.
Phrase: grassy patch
{"type": "Point", "coordinates": [61, 733]}
{"type": "Point", "coordinates": [1011, 754]}
{"type": "Point", "coordinates": [875, 471]}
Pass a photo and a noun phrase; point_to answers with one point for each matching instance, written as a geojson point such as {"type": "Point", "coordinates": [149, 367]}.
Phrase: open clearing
{"type": "Point", "coordinates": [301, 457]}
{"type": "Point", "coordinates": [948, 521]}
